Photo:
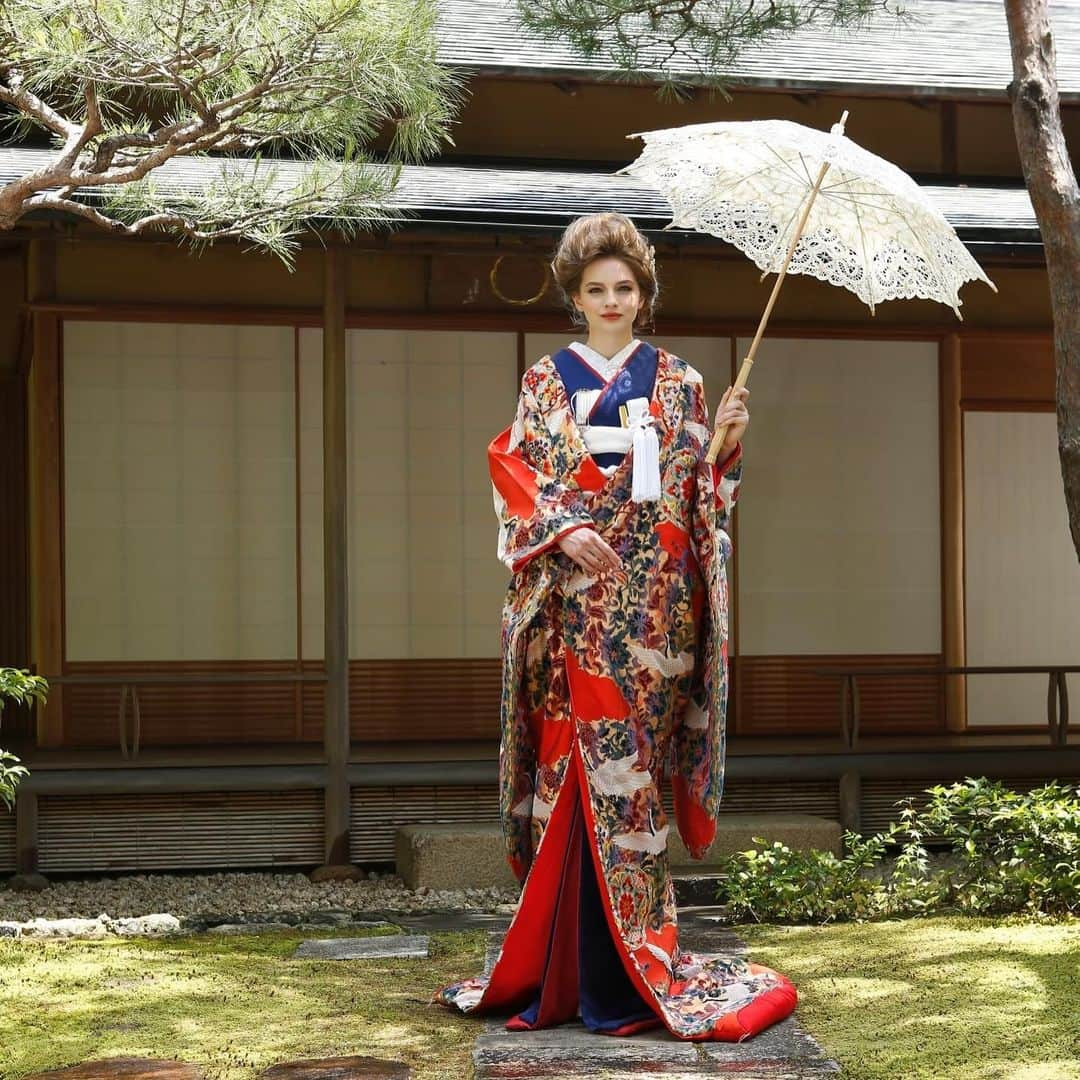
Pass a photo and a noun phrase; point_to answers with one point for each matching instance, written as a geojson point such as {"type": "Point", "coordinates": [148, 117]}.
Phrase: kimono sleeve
{"type": "Point", "coordinates": [699, 741]}
{"type": "Point", "coordinates": [537, 503]}
{"type": "Point", "coordinates": [717, 483]}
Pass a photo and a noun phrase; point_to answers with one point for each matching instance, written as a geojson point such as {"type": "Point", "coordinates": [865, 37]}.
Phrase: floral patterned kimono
{"type": "Point", "coordinates": [610, 682]}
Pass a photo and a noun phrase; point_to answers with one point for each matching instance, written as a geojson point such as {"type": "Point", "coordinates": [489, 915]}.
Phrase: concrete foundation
{"type": "Point", "coordinates": [736, 832]}
{"type": "Point", "coordinates": [464, 856]}
{"type": "Point", "coordinates": [460, 856]}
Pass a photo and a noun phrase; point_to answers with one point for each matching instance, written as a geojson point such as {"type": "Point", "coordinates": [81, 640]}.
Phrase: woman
{"type": "Point", "coordinates": [615, 667]}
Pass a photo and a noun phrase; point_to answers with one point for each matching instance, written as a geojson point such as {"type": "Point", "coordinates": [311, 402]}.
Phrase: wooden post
{"type": "Point", "coordinates": [950, 141]}
{"type": "Point", "coordinates": [953, 637]}
{"type": "Point", "coordinates": [850, 801]}
{"type": "Point", "coordinates": [335, 556]}
{"type": "Point", "coordinates": [26, 831]}
{"type": "Point", "coordinates": [46, 440]}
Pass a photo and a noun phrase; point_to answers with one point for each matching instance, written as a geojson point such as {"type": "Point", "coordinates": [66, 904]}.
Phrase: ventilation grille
{"type": "Point", "coordinates": [879, 797]}
{"type": "Point", "coordinates": [181, 831]}
{"type": "Point", "coordinates": [378, 812]}
{"type": "Point", "coordinates": [768, 796]}
{"type": "Point", "coordinates": [7, 841]}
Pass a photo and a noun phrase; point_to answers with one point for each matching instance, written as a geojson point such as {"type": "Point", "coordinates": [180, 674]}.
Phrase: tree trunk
{"type": "Point", "coordinates": [1054, 194]}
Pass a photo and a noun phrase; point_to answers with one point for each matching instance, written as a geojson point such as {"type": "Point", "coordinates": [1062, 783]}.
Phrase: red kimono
{"type": "Point", "coordinates": [609, 683]}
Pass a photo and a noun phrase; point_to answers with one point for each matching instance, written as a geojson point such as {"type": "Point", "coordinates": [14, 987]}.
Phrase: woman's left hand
{"type": "Point", "coordinates": [733, 412]}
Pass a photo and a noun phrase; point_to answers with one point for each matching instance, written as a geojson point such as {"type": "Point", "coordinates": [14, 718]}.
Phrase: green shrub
{"type": "Point", "coordinates": [779, 884]}
{"type": "Point", "coordinates": [24, 689]}
{"type": "Point", "coordinates": [1014, 852]}
{"type": "Point", "coordinates": [1008, 852]}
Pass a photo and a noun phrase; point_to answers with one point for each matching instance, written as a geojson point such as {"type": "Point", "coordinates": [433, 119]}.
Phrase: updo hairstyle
{"type": "Point", "coordinates": [598, 236]}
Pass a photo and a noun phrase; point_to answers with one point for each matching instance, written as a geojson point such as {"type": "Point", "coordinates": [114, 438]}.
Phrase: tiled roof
{"type": "Point", "coordinates": [516, 199]}
{"type": "Point", "coordinates": [957, 48]}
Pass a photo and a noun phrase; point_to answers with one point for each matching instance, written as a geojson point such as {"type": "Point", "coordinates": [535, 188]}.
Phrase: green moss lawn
{"type": "Point", "coordinates": [232, 1005]}
{"type": "Point", "coordinates": [946, 998]}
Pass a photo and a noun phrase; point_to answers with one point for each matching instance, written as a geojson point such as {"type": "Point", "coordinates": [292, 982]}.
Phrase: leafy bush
{"type": "Point", "coordinates": [1009, 852]}
{"type": "Point", "coordinates": [1014, 852]}
{"type": "Point", "coordinates": [24, 689]}
{"type": "Point", "coordinates": [781, 884]}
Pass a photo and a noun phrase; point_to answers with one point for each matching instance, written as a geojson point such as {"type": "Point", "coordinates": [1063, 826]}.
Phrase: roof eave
{"type": "Point", "coordinates": [833, 88]}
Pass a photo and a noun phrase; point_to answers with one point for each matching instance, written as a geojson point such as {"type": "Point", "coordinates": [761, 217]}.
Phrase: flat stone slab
{"type": "Point", "coordinates": [459, 856]}
{"type": "Point", "coordinates": [339, 1068]}
{"type": "Point", "coordinates": [394, 946]}
{"type": "Point", "coordinates": [693, 888]}
{"type": "Point", "coordinates": [437, 922]}
{"type": "Point", "coordinates": [736, 832]}
{"type": "Point", "coordinates": [124, 1068]}
{"type": "Point", "coordinates": [780, 1052]}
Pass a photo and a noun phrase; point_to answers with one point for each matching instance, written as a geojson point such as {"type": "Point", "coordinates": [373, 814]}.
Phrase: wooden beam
{"type": "Point", "coordinates": [335, 556]}
{"type": "Point", "coordinates": [45, 475]}
{"type": "Point", "coordinates": [950, 141]}
{"type": "Point", "coordinates": [734, 723]}
{"type": "Point", "coordinates": [26, 831]}
{"type": "Point", "coordinates": [953, 636]}
{"type": "Point", "coordinates": [531, 322]}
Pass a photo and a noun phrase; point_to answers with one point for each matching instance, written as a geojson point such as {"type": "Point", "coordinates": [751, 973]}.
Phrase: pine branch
{"type": "Point", "coordinates": [126, 88]}
{"type": "Point", "coordinates": [684, 41]}
{"type": "Point", "coordinates": [18, 97]}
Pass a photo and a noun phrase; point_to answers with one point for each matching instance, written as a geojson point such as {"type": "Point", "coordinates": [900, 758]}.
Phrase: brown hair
{"type": "Point", "coordinates": [598, 236]}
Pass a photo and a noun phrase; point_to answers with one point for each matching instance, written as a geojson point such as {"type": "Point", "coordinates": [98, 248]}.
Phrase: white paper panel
{"type": "Point", "coordinates": [839, 537]}
{"type": "Point", "coordinates": [179, 492]}
{"type": "Point", "coordinates": [1022, 576]}
{"type": "Point", "coordinates": [424, 580]}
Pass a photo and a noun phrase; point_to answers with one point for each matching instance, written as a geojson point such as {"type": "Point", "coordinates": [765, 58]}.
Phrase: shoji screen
{"type": "Point", "coordinates": [1022, 577]}
{"type": "Point", "coordinates": [179, 492]}
{"type": "Point", "coordinates": [423, 405]}
{"type": "Point", "coordinates": [839, 536]}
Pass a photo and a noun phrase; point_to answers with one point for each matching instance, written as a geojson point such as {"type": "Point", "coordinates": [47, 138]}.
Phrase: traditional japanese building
{"type": "Point", "coordinates": [258, 660]}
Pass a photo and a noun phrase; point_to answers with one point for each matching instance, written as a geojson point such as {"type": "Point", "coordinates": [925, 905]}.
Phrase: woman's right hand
{"type": "Point", "coordinates": [590, 551]}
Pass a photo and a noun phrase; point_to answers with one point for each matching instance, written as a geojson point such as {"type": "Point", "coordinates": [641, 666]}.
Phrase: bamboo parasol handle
{"type": "Point", "coordinates": [744, 372]}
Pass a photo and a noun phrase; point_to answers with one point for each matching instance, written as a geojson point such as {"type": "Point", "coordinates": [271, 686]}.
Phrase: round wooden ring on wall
{"type": "Point", "coordinates": [494, 275]}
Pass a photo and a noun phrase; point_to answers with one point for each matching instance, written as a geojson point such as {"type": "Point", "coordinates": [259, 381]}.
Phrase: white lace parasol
{"type": "Point", "coordinates": [870, 228]}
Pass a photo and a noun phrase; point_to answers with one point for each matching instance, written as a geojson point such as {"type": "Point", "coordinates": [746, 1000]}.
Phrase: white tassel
{"type": "Point", "coordinates": [646, 483]}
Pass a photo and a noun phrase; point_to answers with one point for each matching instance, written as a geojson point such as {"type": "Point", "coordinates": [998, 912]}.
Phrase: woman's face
{"type": "Point", "coordinates": [610, 296]}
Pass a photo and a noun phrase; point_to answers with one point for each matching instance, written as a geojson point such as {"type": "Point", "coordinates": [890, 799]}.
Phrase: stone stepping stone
{"type": "Point", "coordinates": [780, 1052]}
{"type": "Point", "coordinates": [339, 1068]}
{"type": "Point", "coordinates": [573, 1052]}
{"type": "Point", "coordinates": [396, 946]}
{"type": "Point", "coordinates": [124, 1068]}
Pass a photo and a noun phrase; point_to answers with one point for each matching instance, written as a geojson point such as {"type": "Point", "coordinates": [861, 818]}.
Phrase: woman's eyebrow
{"type": "Point", "coordinates": [625, 281]}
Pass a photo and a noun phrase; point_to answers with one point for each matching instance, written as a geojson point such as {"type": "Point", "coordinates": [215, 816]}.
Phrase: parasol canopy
{"type": "Point", "coordinates": [870, 228]}
{"type": "Point", "coordinates": [803, 201]}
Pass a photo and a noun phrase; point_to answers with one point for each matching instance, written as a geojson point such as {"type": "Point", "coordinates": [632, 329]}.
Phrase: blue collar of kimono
{"type": "Point", "coordinates": [635, 378]}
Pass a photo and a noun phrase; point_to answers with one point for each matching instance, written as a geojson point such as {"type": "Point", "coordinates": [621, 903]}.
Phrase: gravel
{"type": "Point", "coordinates": [203, 900]}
